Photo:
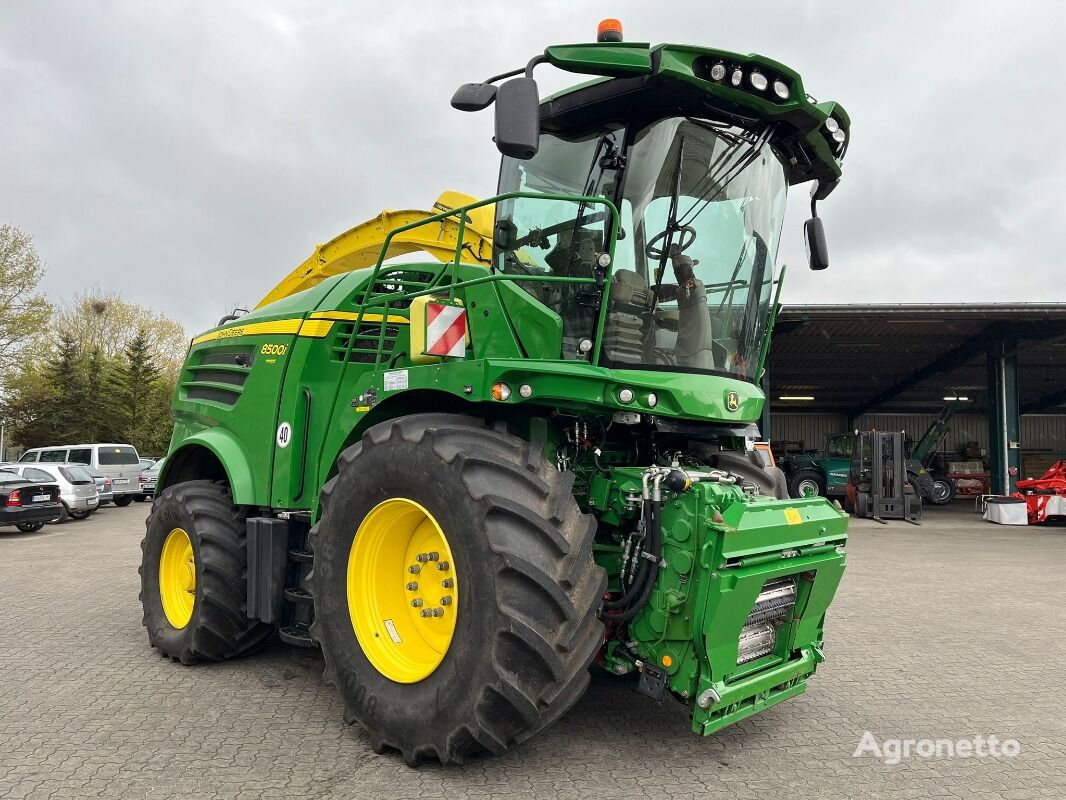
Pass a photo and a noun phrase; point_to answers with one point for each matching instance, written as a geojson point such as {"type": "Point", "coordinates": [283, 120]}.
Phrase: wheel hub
{"type": "Point", "coordinates": [402, 590]}
{"type": "Point", "coordinates": [177, 578]}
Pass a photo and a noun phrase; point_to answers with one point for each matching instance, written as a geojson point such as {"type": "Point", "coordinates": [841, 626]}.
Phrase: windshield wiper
{"type": "Point", "coordinates": [744, 159]}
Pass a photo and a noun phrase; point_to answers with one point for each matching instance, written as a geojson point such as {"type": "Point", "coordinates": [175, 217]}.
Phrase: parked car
{"type": "Point", "coordinates": [27, 504]}
{"type": "Point", "coordinates": [148, 480]}
{"type": "Point", "coordinates": [103, 486]}
{"type": "Point", "coordinates": [77, 488]}
{"type": "Point", "coordinates": [119, 462]}
{"type": "Point", "coordinates": [146, 462]}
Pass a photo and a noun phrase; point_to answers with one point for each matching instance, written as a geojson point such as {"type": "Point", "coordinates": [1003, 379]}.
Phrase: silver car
{"type": "Point", "coordinates": [103, 485]}
{"type": "Point", "coordinates": [77, 488]}
{"type": "Point", "coordinates": [148, 479]}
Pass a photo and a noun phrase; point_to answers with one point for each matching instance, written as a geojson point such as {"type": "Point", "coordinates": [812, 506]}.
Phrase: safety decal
{"type": "Point", "coordinates": [445, 330]}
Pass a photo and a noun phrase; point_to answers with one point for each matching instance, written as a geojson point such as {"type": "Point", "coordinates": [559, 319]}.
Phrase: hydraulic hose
{"type": "Point", "coordinates": [636, 586]}
{"type": "Point", "coordinates": [652, 574]}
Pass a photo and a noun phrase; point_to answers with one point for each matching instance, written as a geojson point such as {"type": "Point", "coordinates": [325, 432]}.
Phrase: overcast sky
{"type": "Point", "coordinates": [191, 154]}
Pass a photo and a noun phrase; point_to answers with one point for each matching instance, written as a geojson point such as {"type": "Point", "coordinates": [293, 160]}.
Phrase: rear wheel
{"type": "Point", "coordinates": [193, 576]}
{"type": "Point", "coordinates": [29, 527]}
{"type": "Point", "coordinates": [807, 482]}
{"type": "Point", "coordinates": [123, 500]}
{"type": "Point", "coordinates": [455, 590]}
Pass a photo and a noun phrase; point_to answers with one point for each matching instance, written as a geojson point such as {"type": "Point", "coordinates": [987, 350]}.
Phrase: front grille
{"type": "Point", "coordinates": [219, 374]}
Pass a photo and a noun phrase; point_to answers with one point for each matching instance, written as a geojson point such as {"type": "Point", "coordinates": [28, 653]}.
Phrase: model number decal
{"type": "Point", "coordinates": [274, 349]}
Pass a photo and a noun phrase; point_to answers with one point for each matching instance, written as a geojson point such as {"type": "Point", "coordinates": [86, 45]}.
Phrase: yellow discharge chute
{"type": "Point", "coordinates": [360, 247]}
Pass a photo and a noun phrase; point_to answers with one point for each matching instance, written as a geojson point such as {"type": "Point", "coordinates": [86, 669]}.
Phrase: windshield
{"type": "Point", "coordinates": [691, 288]}
{"type": "Point", "coordinates": [701, 208]}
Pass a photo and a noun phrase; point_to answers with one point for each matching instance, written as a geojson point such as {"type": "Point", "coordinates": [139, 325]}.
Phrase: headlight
{"type": "Point", "coordinates": [832, 125]}
{"type": "Point", "coordinates": [717, 72]}
{"type": "Point", "coordinates": [626, 395]}
{"type": "Point", "coordinates": [839, 136]}
{"type": "Point", "coordinates": [758, 80]}
{"type": "Point", "coordinates": [738, 76]}
{"type": "Point", "coordinates": [781, 89]}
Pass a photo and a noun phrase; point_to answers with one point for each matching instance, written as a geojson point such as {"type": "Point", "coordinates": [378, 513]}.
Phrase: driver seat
{"type": "Point", "coordinates": [630, 301]}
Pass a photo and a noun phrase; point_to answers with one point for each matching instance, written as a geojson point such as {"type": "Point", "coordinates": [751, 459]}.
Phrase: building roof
{"type": "Point", "coordinates": [909, 357]}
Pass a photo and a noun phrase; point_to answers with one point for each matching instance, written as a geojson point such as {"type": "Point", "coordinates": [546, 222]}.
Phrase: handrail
{"type": "Point", "coordinates": [461, 210]}
{"type": "Point", "coordinates": [451, 268]}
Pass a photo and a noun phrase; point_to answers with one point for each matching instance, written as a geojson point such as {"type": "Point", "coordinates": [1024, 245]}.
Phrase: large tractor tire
{"type": "Point", "coordinates": [194, 576]}
{"type": "Point", "coordinates": [456, 596]}
{"type": "Point", "coordinates": [806, 481]}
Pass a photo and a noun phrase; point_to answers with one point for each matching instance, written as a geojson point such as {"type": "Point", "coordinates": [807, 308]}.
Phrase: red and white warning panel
{"type": "Point", "coordinates": [445, 330]}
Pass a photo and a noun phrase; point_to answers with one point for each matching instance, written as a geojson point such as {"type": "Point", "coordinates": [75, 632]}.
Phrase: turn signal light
{"type": "Point", "coordinates": [501, 391]}
{"type": "Point", "coordinates": [14, 500]}
{"type": "Point", "coordinates": [609, 30]}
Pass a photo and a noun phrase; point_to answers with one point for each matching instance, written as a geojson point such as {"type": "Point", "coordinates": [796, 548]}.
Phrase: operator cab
{"type": "Point", "coordinates": [669, 172]}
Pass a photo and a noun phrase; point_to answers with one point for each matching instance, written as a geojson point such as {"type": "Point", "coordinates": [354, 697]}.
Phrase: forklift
{"type": "Point", "coordinates": [879, 487]}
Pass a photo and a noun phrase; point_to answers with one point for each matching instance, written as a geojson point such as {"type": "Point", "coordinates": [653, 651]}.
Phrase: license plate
{"type": "Point", "coordinates": [41, 498]}
{"type": "Point", "coordinates": [120, 481]}
{"type": "Point", "coordinates": [93, 501]}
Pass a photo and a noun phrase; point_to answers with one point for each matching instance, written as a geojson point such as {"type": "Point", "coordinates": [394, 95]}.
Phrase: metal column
{"type": "Point", "coordinates": [1004, 452]}
{"type": "Point", "coordinates": [764, 421]}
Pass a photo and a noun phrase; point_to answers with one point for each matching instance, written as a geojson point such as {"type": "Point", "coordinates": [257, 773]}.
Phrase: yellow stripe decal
{"type": "Point", "coordinates": [394, 319]}
{"type": "Point", "coordinates": [280, 326]}
{"type": "Point", "coordinates": [317, 328]}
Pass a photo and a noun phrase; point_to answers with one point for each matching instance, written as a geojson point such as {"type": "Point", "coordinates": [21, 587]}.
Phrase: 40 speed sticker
{"type": "Point", "coordinates": [284, 435]}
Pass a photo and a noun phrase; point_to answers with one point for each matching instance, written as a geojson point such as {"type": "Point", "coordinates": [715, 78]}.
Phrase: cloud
{"type": "Point", "coordinates": [190, 155]}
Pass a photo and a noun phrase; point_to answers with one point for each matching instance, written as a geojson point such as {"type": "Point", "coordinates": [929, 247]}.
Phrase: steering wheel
{"type": "Point", "coordinates": [684, 242]}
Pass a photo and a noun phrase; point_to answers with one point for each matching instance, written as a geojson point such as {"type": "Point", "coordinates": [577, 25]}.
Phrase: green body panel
{"type": "Point", "coordinates": [602, 58]}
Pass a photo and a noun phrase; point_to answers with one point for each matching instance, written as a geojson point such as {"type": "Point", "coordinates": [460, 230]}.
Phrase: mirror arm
{"type": "Point", "coordinates": [538, 59]}
{"type": "Point", "coordinates": [503, 75]}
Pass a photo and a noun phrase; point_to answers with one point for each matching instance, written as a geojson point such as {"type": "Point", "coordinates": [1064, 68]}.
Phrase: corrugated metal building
{"type": "Point", "coordinates": [892, 367]}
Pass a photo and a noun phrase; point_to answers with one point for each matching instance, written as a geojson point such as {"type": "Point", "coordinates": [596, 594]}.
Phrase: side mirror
{"type": "Point", "coordinates": [518, 118]}
{"type": "Point", "coordinates": [473, 96]}
{"type": "Point", "coordinates": [814, 237]}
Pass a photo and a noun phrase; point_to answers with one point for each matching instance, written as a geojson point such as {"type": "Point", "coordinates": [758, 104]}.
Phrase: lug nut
{"type": "Point", "coordinates": [433, 556]}
{"type": "Point", "coordinates": [447, 583]}
{"type": "Point", "coordinates": [412, 587]}
{"type": "Point", "coordinates": [416, 602]}
{"type": "Point", "coordinates": [426, 612]}
{"type": "Point", "coordinates": [442, 566]}
{"type": "Point", "coordinates": [421, 558]}
{"type": "Point", "coordinates": [438, 612]}
{"type": "Point", "coordinates": [414, 569]}
{"type": "Point", "coordinates": [445, 601]}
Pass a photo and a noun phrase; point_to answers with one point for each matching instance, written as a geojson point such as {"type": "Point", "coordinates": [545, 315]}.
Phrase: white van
{"type": "Point", "coordinates": [119, 462]}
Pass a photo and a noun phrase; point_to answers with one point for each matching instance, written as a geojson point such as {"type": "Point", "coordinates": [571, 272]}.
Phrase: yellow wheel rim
{"type": "Point", "coordinates": [177, 578]}
{"type": "Point", "coordinates": [403, 595]}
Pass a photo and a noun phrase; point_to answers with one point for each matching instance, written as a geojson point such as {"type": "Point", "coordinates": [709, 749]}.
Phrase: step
{"type": "Point", "coordinates": [296, 635]}
{"type": "Point", "coordinates": [294, 595]}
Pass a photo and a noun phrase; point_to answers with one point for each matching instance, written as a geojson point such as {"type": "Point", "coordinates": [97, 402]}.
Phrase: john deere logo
{"type": "Point", "coordinates": [732, 401]}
